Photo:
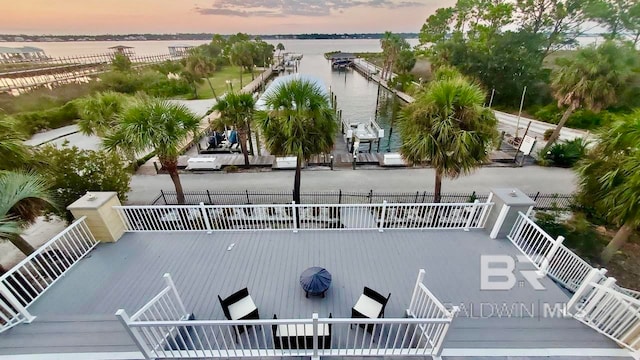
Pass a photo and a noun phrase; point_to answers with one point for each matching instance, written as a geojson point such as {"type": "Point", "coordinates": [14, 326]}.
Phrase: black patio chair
{"type": "Point", "coordinates": [239, 306]}
{"type": "Point", "coordinates": [370, 305]}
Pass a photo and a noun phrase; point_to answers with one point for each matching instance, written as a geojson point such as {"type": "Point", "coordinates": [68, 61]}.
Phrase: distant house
{"type": "Point", "coordinates": [121, 49]}
{"type": "Point", "coordinates": [179, 49]}
{"type": "Point", "coordinates": [20, 54]}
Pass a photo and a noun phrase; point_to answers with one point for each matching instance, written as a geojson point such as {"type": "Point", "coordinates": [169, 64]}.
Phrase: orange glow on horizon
{"type": "Point", "coordinates": [172, 16]}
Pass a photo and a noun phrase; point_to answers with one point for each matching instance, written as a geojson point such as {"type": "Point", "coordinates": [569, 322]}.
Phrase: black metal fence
{"type": "Point", "coordinates": [543, 201]}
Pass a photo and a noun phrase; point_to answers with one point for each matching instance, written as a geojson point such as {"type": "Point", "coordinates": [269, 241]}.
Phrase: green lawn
{"type": "Point", "coordinates": [219, 82]}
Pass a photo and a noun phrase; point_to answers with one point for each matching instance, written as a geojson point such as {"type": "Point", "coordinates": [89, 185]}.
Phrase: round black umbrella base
{"type": "Point", "coordinates": [315, 281]}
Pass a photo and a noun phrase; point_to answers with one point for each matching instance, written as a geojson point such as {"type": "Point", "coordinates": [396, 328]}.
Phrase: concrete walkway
{"type": "Point", "coordinates": [50, 135]}
{"type": "Point", "coordinates": [145, 188]}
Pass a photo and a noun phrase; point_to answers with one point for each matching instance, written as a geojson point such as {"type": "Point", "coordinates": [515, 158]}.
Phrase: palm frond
{"type": "Point", "coordinates": [23, 195]}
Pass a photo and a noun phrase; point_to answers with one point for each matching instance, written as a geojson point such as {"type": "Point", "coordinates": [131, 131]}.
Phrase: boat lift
{"type": "Point", "coordinates": [358, 132]}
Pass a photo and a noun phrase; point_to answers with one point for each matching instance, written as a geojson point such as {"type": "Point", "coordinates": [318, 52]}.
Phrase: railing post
{"type": "Point", "coordinates": [383, 214]}
{"type": "Point", "coordinates": [472, 214]}
{"type": "Point", "coordinates": [164, 198]}
{"type": "Point", "coordinates": [314, 328]}
{"type": "Point", "coordinates": [437, 347]}
{"type": "Point", "coordinates": [544, 267]}
{"type": "Point", "coordinates": [135, 335]}
{"type": "Point", "coordinates": [169, 282]}
{"type": "Point", "coordinates": [7, 294]}
{"type": "Point", "coordinates": [485, 209]}
{"type": "Point", "coordinates": [499, 221]}
{"type": "Point", "coordinates": [295, 216]}
{"type": "Point", "coordinates": [205, 217]}
{"type": "Point", "coordinates": [591, 277]}
{"type": "Point", "coordinates": [421, 274]}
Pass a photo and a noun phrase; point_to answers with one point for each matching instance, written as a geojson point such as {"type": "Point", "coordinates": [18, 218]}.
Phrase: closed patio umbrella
{"type": "Point", "coordinates": [315, 280]}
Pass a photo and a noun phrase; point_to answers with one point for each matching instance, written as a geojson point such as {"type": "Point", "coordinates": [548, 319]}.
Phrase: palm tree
{"type": "Point", "coordinates": [448, 127]}
{"type": "Point", "coordinates": [159, 125]}
{"type": "Point", "coordinates": [14, 154]}
{"type": "Point", "coordinates": [610, 180]}
{"type": "Point", "coordinates": [99, 112]}
{"type": "Point", "coordinates": [201, 66]}
{"type": "Point", "coordinates": [299, 121]}
{"type": "Point", "coordinates": [23, 197]}
{"type": "Point", "coordinates": [592, 79]}
{"type": "Point", "coordinates": [237, 110]}
{"type": "Point", "coordinates": [280, 48]}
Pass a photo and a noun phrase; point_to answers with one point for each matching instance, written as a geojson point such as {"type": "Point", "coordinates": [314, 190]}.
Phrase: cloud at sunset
{"type": "Point", "coordinates": [215, 16]}
{"type": "Point", "coordinates": [283, 8]}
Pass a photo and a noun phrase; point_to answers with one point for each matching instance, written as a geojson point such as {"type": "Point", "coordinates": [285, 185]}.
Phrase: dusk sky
{"type": "Point", "coordinates": [214, 16]}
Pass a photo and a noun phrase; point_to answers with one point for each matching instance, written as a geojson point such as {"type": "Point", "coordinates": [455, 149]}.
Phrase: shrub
{"type": "Point", "coordinates": [34, 121]}
{"type": "Point", "coordinates": [547, 134]}
{"type": "Point", "coordinates": [122, 82]}
{"type": "Point", "coordinates": [548, 113]}
{"type": "Point", "coordinates": [566, 154]}
{"type": "Point", "coordinates": [150, 81]}
{"type": "Point", "coordinates": [588, 120]}
{"type": "Point", "coordinates": [580, 235]}
{"type": "Point", "coordinates": [231, 169]}
{"type": "Point", "coordinates": [73, 172]}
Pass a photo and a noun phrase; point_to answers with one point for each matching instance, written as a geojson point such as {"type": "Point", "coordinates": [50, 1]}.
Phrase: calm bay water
{"type": "Point", "coordinates": [357, 97]}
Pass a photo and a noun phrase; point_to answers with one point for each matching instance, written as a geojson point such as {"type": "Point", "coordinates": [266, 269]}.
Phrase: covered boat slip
{"type": "Point", "coordinates": [77, 314]}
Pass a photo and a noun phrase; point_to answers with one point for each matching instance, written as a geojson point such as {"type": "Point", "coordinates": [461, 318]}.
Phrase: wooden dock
{"type": "Point", "coordinates": [365, 70]}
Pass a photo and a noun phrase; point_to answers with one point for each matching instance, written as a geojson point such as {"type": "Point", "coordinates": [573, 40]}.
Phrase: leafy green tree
{"type": "Point", "coordinates": [23, 197]}
{"type": "Point", "coordinates": [99, 112]}
{"type": "Point", "coordinates": [405, 62]}
{"type": "Point", "coordinates": [121, 62]}
{"type": "Point", "coordinates": [236, 109]}
{"type": "Point", "coordinates": [437, 27]}
{"type": "Point", "coordinates": [262, 53]}
{"type": "Point", "coordinates": [73, 172]}
{"type": "Point", "coordinates": [592, 78]}
{"type": "Point", "coordinates": [280, 48]}
{"type": "Point", "coordinates": [298, 121]}
{"type": "Point", "coordinates": [619, 17]}
{"type": "Point", "coordinates": [559, 22]}
{"type": "Point", "coordinates": [241, 55]}
{"type": "Point", "coordinates": [610, 180]}
{"type": "Point", "coordinates": [448, 128]}
{"type": "Point", "coordinates": [158, 125]}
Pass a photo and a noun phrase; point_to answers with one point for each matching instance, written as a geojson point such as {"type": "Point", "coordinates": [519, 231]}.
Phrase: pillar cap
{"type": "Point", "coordinates": [92, 200]}
{"type": "Point", "coordinates": [512, 196]}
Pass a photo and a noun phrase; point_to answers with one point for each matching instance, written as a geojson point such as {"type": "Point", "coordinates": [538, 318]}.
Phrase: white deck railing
{"type": "Point", "coordinates": [600, 305]}
{"type": "Point", "coordinates": [548, 254]}
{"type": "Point", "coordinates": [597, 300]}
{"type": "Point", "coordinates": [27, 281]}
{"type": "Point", "coordinates": [304, 217]}
{"type": "Point", "coordinates": [161, 330]}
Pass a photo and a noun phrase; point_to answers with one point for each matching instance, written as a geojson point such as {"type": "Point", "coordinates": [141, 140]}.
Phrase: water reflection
{"type": "Point", "coordinates": [358, 98]}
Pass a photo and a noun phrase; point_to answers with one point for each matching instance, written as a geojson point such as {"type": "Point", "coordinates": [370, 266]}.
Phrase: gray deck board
{"type": "Point", "coordinates": [77, 313]}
